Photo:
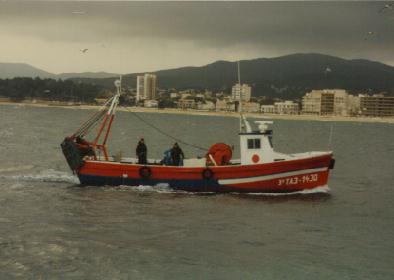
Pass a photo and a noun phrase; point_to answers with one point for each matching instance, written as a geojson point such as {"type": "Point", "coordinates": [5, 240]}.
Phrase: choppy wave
{"type": "Point", "coordinates": [16, 168]}
{"type": "Point", "coordinates": [49, 175]}
{"type": "Point", "coordinates": [6, 133]}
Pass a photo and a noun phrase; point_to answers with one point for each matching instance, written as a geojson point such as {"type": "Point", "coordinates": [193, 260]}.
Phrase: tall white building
{"type": "Point", "coordinates": [140, 88]}
{"type": "Point", "coordinates": [146, 87]}
{"type": "Point", "coordinates": [241, 92]}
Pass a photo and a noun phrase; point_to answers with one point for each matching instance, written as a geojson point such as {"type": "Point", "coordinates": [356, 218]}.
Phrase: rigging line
{"type": "Point", "coordinates": [164, 133]}
{"type": "Point", "coordinates": [94, 117]}
{"type": "Point", "coordinates": [90, 124]}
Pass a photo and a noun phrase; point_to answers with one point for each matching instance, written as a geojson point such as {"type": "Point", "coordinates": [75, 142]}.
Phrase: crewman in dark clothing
{"type": "Point", "coordinates": [84, 147]}
{"type": "Point", "coordinates": [176, 155]}
{"type": "Point", "coordinates": [141, 152]}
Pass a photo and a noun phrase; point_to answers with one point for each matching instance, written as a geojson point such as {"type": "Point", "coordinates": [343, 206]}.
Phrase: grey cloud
{"type": "Point", "coordinates": [332, 27]}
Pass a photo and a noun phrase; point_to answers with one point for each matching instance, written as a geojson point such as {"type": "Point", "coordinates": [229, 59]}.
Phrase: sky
{"type": "Point", "coordinates": [128, 37]}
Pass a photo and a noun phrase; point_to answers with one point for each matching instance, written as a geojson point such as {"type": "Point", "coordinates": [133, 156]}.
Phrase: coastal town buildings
{"type": "Point", "coordinates": [283, 108]}
{"type": "Point", "coordinates": [267, 109]}
{"type": "Point", "coordinates": [326, 102]}
{"type": "Point", "coordinates": [174, 95]}
{"type": "Point", "coordinates": [250, 107]}
{"type": "Point", "coordinates": [187, 103]}
{"type": "Point", "coordinates": [241, 92]}
{"type": "Point", "coordinates": [146, 87]}
{"type": "Point", "coordinates": [150, 103]}
{"type": "Point", "coordinates": [185, 95]}
{"type": "Point", "coordinates": [140, 88]}
{"type": "Point", "coordinates": [225, 104]}
{"type": "Point", "coordinates": [376, 105]}
{"type": "Point", "coordinates": [287, 108]}
{"type": "Point", "coordinates": [206, 106]}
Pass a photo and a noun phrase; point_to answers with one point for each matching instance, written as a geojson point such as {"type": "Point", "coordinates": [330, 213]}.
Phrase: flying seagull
{"type": "Point", "coordinates": [369, 34]}
{"type": "Point", "coordinates": [386, 7]}
{"type": "Point", "coordinates": [84, 50]}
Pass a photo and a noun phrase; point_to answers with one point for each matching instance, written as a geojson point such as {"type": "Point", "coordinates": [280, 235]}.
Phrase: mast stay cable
{"type": "Point", "coordinates": [163, 132]}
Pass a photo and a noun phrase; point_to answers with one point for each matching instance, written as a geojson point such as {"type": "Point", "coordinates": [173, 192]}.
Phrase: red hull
{"type": "Point", "coordinates": [281, 176]}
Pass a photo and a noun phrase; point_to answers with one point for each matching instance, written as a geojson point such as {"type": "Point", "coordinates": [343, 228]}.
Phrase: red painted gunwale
{"type": "Point", "coordinates": [159, 172]}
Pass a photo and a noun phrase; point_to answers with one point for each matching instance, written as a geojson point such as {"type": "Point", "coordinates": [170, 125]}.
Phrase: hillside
{"type": "Point", "coordinates": [12, 70]}
{"type": "Point", "coordinates": [287, 76]}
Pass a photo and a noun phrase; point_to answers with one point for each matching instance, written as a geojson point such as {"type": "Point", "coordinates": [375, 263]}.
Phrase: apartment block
{"type": "Point", "coordinates": [326, 102]}
{"type": "Point", "coordinates": [146, 87]}
{"type": "Point", "coordinates": [241, 92]}
{"type": "Point", "coordinates": [376, 105]}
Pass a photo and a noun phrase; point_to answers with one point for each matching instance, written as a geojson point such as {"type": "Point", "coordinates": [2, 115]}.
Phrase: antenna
{"type": "Point", "coordinates": [240, 88]}
{"type": "Point", "coordinates": [241, 126]}
{"type": "Point", "coordinates": [239, 74]}
{"type": "Point", "coordinates": [330, 136]}
{"type": "Point", "coordinates": [118, 85]}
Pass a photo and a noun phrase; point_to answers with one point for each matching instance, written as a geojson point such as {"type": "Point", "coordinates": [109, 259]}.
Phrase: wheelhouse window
{"type": "Point", "coordinates": [254, 143]}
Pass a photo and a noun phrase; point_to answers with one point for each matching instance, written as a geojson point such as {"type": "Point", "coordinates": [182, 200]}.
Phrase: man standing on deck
{"type": "Point", "coordinates": [177, 155]}
{"type": "Point", "coordinates": [141, 152]}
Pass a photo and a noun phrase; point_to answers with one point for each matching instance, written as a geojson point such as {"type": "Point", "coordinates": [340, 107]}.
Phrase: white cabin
{"type": "Point", "coordinates": [256, 145]}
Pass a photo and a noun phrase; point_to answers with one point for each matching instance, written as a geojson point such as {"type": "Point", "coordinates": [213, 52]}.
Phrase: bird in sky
{"type": "Point", "coordinates": [386, 7]}
{"type": "Point", "coordinates": [84, 50]}
{"type": "Point", "coordinates": [369, 35]}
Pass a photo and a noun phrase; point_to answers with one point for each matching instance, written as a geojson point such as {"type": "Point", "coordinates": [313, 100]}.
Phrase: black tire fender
{"type": "Point", "coordinates": [145, 172]}
{"type": "Point", "coordinates": [332, 164]}
{"type": "Point", "coordinates": [207, 174]}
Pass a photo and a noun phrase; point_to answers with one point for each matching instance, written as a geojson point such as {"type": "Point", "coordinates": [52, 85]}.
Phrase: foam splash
{"type": "Point", "coordinates": [164, 188]}
{"type": "Point", "coordinates": [318, 190]}
{"type": "Point", "coordinates": [49, 175]}
{"type": "Point", "coordinates": [159, 188]}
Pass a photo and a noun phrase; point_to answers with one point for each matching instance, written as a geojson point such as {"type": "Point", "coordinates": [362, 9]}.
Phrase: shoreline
{"type": "Point", "coordinates": [389, 120]}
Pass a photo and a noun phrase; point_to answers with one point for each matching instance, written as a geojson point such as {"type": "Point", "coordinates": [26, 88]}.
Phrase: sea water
{"type": "Point", "coordinates": [52, 228]}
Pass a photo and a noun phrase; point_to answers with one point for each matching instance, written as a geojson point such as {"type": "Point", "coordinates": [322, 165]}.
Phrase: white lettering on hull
{"type": "Point", "coordinates": [281, 176]}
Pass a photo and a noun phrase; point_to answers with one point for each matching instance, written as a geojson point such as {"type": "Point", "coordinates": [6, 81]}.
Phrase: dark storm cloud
{"type": "Point", "coordinates": [331, 27]}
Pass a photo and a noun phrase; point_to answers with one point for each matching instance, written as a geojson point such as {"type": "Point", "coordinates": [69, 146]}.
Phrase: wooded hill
{"type": "Point", "coordinates": [287, 77]}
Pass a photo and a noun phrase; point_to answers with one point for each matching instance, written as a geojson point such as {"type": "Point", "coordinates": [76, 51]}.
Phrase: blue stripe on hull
{"type": "Point", "coordinates": [186, 185]}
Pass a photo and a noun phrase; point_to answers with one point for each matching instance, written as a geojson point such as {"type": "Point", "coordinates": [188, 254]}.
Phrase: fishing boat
{"type": "Point", "coordinates": [260, 169]}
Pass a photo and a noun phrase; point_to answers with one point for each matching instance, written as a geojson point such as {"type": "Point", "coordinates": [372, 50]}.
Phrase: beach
{"type": "Point", "coordinates": [210, 113]}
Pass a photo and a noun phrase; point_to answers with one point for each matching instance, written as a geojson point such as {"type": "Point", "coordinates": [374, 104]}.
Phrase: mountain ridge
{"type": "Point", "coordinates": [288, 76]}
{"type": "Point", "coordinates": [17, 69]}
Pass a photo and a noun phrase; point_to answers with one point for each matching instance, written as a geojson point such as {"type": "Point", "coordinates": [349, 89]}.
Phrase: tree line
{"type": "Point", "coordinates": [19, 89]}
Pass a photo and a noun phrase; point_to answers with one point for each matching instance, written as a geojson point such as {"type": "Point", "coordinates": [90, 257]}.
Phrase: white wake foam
{"type": "Point", "coordinates": [317, 190]}
{"type": "Point", "coordinates": [160, 188]}
{"type": "Point", "coordinates": [49, 175]}
{"type": "Point", "coordinates": [16, 168]}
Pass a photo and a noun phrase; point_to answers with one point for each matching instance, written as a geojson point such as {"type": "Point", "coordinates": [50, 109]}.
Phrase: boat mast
{"type": "Point", "coordinates": [240, 99]}
{"type": "Point", "coordinates": [109, 117]}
